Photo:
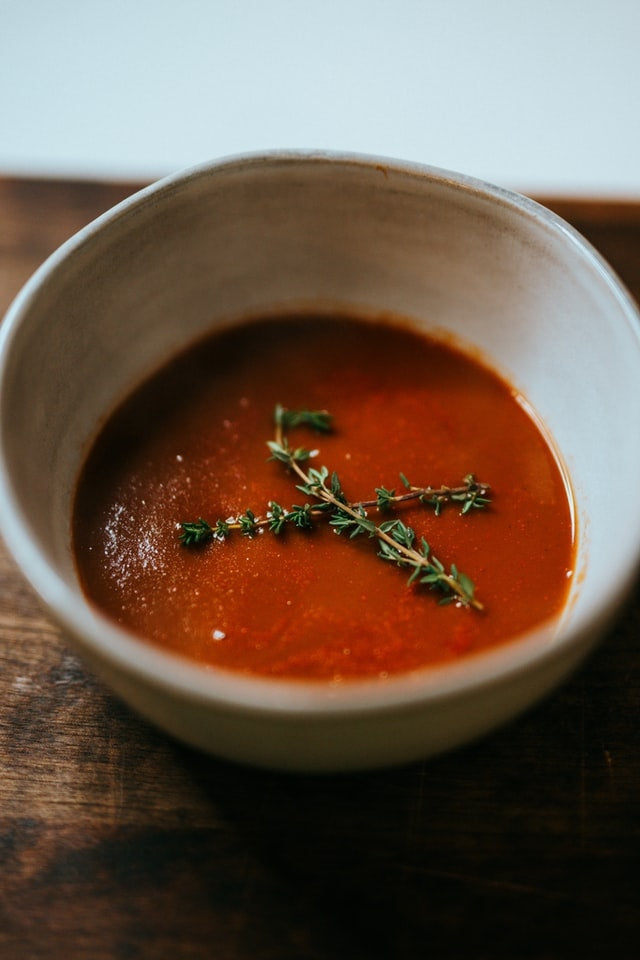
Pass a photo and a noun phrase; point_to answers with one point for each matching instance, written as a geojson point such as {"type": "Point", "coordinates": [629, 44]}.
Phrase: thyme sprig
{"type": "Point", "coordinates": [396, 541]}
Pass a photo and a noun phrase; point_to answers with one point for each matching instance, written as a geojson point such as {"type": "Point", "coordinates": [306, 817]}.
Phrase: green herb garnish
{"type": "Point", "coordinates": [397, 542]}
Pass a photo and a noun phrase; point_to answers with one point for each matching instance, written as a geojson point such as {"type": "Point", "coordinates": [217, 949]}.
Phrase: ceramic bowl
{"type": "Point", "coordinates": [249, 235]}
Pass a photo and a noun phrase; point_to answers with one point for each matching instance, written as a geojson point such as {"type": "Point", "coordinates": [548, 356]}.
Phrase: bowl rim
{"type": "Point", "coordinates": [104, 640]}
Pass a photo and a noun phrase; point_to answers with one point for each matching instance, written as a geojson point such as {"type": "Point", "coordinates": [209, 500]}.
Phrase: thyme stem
{"type": "Point", "coordinates": [417, 560]}
{"type": "Point", "coordinates": [436, 496]}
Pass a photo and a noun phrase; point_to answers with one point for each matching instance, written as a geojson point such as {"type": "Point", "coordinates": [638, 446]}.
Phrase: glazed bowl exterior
{"type": "Point", "coordinates": [278, 232]}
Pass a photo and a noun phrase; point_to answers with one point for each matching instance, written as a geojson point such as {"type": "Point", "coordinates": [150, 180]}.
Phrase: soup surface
{"type": "Point", "coordinates": [191, 443]}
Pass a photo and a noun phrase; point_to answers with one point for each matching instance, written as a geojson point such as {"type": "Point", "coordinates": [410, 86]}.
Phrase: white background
{"type": "Point", "coordinates": [541, 96]}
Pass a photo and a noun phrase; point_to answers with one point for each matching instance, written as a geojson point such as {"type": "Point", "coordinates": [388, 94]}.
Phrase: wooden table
{"type": "Point", "coordinates": [117, 843]}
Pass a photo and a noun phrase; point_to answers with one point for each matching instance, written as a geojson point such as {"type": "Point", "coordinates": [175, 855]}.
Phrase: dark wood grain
{"type": "Point", "coordinates": [116, 842]}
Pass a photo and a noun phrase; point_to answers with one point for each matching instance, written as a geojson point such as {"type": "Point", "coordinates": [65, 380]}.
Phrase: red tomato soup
{"type": "Point", "coordinates": [191, 443]}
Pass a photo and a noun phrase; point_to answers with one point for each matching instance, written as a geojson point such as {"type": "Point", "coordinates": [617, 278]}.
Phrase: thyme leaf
{"type": "Point", "coordinates": [196, 533]}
